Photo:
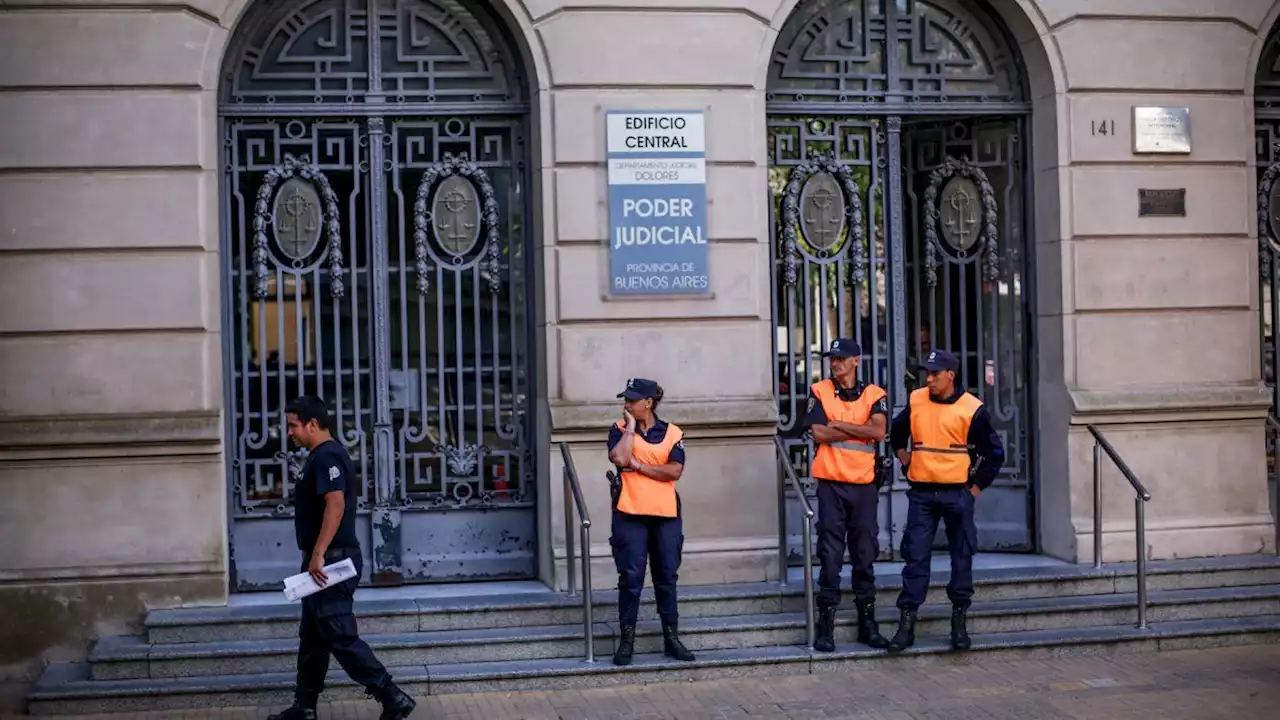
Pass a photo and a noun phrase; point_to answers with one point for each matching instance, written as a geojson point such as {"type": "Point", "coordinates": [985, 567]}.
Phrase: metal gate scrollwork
{"type": "Point", "coordinates": [1266, 94]}
{"type": "Point", "coordinates": [1268, 217]}
{"type": "Point", "coordinates": [375, 159]}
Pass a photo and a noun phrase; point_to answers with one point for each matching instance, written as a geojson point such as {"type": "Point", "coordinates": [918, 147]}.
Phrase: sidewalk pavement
{"type": "Point", "coordinates": [1240, 683]}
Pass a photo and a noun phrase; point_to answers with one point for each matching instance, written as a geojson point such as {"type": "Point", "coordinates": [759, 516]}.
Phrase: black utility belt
{"type": "Point", "coordinates": [938, 487]}
{"type": "Point", "coordinates": [337, 553]}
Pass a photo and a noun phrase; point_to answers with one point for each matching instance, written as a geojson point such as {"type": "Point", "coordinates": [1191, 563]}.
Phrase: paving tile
{"type": "Point", "coordinates": [1237, 682]}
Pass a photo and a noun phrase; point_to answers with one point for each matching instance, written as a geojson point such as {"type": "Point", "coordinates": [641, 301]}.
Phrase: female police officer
{"type": "Point", "coordinates": [649, 456]}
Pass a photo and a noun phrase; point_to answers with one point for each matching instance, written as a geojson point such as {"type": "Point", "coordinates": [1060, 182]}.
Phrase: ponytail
{"type": "Point", "coordinates": [657, 397]}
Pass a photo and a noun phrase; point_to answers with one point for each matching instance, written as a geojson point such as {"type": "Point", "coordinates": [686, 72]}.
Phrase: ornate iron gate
{"type": "Point", "coordinates": [1267, 139]}
{"type": "Point", "coordinates": [375, 225]}
{"type": "Point", "coordinates": [898, 187]}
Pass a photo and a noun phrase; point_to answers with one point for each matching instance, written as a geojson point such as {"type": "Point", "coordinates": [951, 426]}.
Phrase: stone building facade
{"type": "Point", "coordinates": [184, 183]}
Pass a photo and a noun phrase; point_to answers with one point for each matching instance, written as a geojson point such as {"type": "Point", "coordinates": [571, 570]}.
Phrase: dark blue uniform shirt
{"type": "Point", "coordinates": [328, 469]}
{"type": "Point", "coordinates": [986, 452]}
{"type": "Point", "coordinates": [654, 435]}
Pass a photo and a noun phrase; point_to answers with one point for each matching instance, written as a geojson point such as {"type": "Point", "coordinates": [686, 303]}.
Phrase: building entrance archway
{"type": "Point", "coordinates": [375, 238]}
{"type": "Point", "coordinates": [899, 187]}
{"type": "Point", "coordinates": [1266, 95]}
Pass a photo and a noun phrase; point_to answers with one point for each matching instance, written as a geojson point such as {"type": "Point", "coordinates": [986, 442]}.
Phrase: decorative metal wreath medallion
{"type": "Point", "coordinates": [455, 216]}
{"type": "Point", "coordinates": [1275, 211]}
{"type": "Point", "coordinates": [822, 219]}
{"type": "Point", "coordinates": [1268, 209]}
{"type": "Point", "coordinates": [832, 203]}
{"type": "Point", "coordinates": [305, 205]}
{"type": "Point", "coordinates": [958, 208]}
{"type": "Point", "coordinates": [465, 196]}
{"type": "Point", "coordinates": [296, 218]}
{"type": "Point", "coordinates": [966, 212]}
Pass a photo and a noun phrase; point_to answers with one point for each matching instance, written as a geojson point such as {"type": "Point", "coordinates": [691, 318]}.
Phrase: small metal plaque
{"type": "Point", "coordinates": [960, 210]}
{"type": "Point", "coordinates": [297, 218]}
{"type": "Point", "coordinates": [1162, 203]}
{"type": "Point", "coordinates": [456, 215]}
{"type": "Point", "coordinates": [1162, 130]}
{"type": "Point", "coordinates": [822, 208]}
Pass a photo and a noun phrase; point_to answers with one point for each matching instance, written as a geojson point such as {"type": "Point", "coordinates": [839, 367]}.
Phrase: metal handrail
{"type": "Point", "coordinates": [1141, 498]}
{"type": "Point", "coordinates": [572, 488]}
{"type": "Point", "coordinates": [1275, 516]}
{"type": "Point", "coordinates": [788, 474]}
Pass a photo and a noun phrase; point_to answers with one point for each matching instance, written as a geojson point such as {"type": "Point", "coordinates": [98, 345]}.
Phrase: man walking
{"type": "Point", "coordinates": [955, 455]}
{"type": "Point", "coordinates": [846, 419]}
{"type": "Point", "coordinates": [325, 526]}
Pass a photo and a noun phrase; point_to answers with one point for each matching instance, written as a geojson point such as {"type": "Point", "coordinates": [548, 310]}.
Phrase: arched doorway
{"type": "Point", "coordinates": [1266, 97]}
{"type": "Point", "coordinates": [375, 227]}
{"type": "Point", "coordinates": [899, 185]}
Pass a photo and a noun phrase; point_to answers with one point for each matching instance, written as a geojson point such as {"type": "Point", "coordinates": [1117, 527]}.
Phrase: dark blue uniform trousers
{"type": "Point", "coordinates": [847, 516]}
{"type": "Point", "coordinates": [637, 538]}
{"type": "Point", "coordinates": [925, 508]}
{"type": "Point", "coordinates": [329, 628]}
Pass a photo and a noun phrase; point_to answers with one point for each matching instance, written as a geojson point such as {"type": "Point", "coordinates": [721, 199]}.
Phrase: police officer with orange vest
{"type": "Point", "coordinates": [846, 418]}
{"type": "Point", "coordinates": [649, 455]}
{"type": "Point", "coordinates": [955, 455]}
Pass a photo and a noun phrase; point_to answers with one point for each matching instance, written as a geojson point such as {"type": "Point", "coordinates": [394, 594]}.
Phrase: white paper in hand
{"type": "Point", "coordinates": [301, 585]}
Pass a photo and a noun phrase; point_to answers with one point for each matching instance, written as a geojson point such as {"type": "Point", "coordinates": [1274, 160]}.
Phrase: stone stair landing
{"type": "Point", "coordinates": [441, 643]}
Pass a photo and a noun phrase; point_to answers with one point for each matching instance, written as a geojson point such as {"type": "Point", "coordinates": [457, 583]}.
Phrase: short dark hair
{"type": "Point", "coordinates": [308, 408]}
{"type": "Point", "coordinates": [657, 395]}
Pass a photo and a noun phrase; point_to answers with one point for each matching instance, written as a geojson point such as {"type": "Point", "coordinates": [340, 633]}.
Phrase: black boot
{"type": "Point", "coordinates": [626, 646]}
{"type": "Point", "coordinates": [396, 705]}
{"type": "Point", "coordinates": [297, 712]}
{"type": "Point", "coordinates": [959, 633]}
{"type": "Point", "coordinates": [868, 628]}
{"type": "Point", "coordinates": [671, 645]}
{"type": "Point", "coordinates": [906, 635]}
{"type": "Point", "coordinates": [824, 635]}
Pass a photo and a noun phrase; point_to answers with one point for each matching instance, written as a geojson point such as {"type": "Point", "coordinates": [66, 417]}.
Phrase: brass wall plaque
{"type": "Point", "coordinates": [1162, 130]}
{"type": "Point", "coordinates": [1162, 203]}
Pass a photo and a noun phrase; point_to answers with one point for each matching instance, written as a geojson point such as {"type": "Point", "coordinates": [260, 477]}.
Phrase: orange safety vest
{"type": "Point", "coordinates": [641, 494]}
{"type": "Point", "coordinates": [940, 438]}
{"type": "Point", "coordinates": [851, 461]}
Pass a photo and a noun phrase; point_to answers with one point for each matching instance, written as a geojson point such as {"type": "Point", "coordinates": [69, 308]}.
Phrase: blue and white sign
{"type": "Point", "coordinates": [657, 202]}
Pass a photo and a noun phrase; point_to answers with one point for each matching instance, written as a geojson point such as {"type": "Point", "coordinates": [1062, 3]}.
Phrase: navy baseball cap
{"type": "Point", "coordinates": [938, 360]}
{"type": "Point", "coordinates": [639, 389]}
{"type": "Point", "coordinates": [843, 348]}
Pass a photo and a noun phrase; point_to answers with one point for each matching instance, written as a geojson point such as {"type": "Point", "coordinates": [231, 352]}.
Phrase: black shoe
{"type": "Point", "coordinates": [671, 645]}
{"type": "Point", "coordinates": [906, 635]}
{"type": "Point", "coordinates": [297, 712]}
{"type": "Point", "coordinates": [824, 636]}
{"type": "Point", "coordinates": [868, 628]}
{"type": "Point", "coordinates": [396, 705]}
{"type": "Point", "coordinates": [959, 633]}
{"type": "Point", "coordinates": [626, 646]}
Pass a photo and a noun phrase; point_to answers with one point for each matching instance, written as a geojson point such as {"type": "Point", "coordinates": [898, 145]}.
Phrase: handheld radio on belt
{"type": "Point", "coordinates": [884, 470]}
{"type": "Point", "coordinates": [615, 487]}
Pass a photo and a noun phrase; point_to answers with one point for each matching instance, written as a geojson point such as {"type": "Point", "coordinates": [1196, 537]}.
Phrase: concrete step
{"type": "Point", "coordinates": [395, 617]}
{"type": "Point", "coordinates": [133, 658]}
{"type": "Point", "coordinates": [67, 689]}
